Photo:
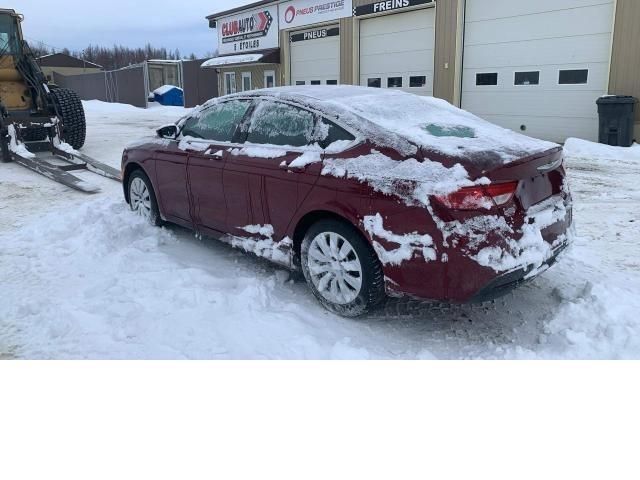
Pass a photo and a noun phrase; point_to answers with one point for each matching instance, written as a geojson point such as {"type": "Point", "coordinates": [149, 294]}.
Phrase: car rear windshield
{"type": "Point", "coordinates": [450, 131]}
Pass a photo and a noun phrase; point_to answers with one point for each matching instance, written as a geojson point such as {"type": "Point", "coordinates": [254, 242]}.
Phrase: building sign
{"type": "Point", "coordinates": [249, 31]}
{"type": "Point", "coordinates": [387, 6]}
{"type": "Point", "coordinates": [315, 34]}
{"type": "Point", "coordinates": [306, 12]}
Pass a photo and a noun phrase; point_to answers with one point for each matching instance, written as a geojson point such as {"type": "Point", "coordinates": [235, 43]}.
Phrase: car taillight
{"type": "Point", "coordinates": [480, 196]}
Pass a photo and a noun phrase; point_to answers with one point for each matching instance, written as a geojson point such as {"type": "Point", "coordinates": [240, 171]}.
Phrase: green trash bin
{"type": "Point", "coordinates": [616, 114]}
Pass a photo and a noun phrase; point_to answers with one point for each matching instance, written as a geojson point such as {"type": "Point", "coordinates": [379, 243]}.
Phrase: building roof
{"type": "Point", "coordinates": [213, 17]}
{"type": "Point", "coordinates": [263, 56]}
{"type": "Point", "coordinates": [64, 60]}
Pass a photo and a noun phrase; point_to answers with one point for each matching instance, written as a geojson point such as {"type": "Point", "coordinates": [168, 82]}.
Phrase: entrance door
{"type": "Point", "coordinates": [397, 51]}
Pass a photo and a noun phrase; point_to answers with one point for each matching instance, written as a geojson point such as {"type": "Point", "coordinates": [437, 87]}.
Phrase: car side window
{"type": "Point", "coordinates": [281, 124]}
{"type": "Point", "coordinates": [332, 133]}
{"type": "Point", "coordinates": [217, 123]}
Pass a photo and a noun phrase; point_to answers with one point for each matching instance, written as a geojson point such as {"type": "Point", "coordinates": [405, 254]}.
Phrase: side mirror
{"type": "Point", "coordinates": [168, 131]}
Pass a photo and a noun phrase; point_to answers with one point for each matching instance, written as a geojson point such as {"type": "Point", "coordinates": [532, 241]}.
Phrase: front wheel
{"type": "Point", "coordinates": [341, 269]}
{"type": "Point", "coordinates": [142, 198]}
{"type": "Point", "coordinates": [71, 113]}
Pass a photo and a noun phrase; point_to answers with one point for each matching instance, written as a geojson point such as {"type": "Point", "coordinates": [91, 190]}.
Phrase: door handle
{"type": "Point", "coordinates": [218, 155]}
{"type": "Point", "coordinates": [290, 168]}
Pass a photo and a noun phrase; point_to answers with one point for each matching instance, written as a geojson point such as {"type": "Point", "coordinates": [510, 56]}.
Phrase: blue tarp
{"type": "Point", "coordinates": [169, 95]}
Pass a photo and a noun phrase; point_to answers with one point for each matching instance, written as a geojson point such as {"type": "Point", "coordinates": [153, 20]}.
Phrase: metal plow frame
{"type": "Point", "coordinates": [36, 155]}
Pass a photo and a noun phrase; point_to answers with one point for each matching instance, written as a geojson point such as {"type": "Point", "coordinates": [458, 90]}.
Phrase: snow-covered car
{"type": "Point", "coordinates": [371, 192]}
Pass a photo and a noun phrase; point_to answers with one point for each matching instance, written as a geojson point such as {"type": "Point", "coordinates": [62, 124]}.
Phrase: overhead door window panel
{"type": "Point", "coordinates": [397, 51]}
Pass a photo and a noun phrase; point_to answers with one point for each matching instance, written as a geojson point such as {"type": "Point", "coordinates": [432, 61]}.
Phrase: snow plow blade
{"type": "Point", "coordinates": [47, 159]}
{"type": "Point", "coordinates": [58, 173]}
{"type": "Point", "coordinates": [90, 164]}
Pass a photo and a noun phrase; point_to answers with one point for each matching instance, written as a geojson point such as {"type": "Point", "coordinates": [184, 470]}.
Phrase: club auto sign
{"type": "Point", "coordinates": [306, 12]}
{"type": "Point", "coordinates": [249, 31]}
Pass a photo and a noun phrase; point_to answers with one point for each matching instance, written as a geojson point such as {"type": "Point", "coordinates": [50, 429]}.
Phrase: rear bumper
{"type": "Point", "coordinates": [506, 283]}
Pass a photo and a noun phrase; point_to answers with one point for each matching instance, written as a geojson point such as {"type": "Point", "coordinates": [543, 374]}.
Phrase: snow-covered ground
{"type": "Point", "coordinates": [82, 277]}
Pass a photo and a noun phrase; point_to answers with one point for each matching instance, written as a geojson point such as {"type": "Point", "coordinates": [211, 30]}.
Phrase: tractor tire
{"type": "Point", "coordinates": [35, 134]}
{"type": "Point", "coordinates": [71, 112]}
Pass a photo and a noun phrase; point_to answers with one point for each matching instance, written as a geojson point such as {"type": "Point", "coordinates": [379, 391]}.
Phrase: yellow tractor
{"type": "Point", "coordinates": [42, 126]}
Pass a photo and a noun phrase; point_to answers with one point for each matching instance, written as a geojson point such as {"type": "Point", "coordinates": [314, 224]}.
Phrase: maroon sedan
{"type": "Point", "coordinates": [370, 192]}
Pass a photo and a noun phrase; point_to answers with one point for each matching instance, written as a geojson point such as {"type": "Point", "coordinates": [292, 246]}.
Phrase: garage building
{"type": "Point", "coordinates": [535, 67]}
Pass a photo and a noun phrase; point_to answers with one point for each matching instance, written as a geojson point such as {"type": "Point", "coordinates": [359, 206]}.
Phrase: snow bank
{"type": "Point", "coordinates": [95, 281]}
{"type": "Point", "coordinates": [583, 149]}
{"type": "Point", "coordinates": [590, 320]}
{"type": "Point", "coordinates": [96, 108]}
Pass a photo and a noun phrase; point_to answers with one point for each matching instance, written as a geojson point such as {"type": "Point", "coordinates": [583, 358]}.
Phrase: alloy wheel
{"type": "Point", "coordinates": [140, 198]}
{"type": "Point", "coordinates": [334, 268]}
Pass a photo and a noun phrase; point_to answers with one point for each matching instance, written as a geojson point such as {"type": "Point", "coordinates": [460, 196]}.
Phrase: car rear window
{"type": "Point", "coordinates": [334, 134]}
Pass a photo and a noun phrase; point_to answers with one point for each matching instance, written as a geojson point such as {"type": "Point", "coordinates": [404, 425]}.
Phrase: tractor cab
{"type": "Point", "coordinates": [15, 95]}
{"type": "Point", "coordinates": [10, 43]}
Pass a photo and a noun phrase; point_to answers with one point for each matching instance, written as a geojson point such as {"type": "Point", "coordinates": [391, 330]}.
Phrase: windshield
{"type": "Point", "coordinates": [9, 42]}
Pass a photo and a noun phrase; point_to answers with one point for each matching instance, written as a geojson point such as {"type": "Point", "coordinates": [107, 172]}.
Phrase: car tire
{"type": "Point", "coordinates": [142, 198]}
{"type": "Point", "coordinates": [341, 268]}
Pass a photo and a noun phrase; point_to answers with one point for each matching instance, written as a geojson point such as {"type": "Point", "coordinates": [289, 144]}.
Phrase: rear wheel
{"type": "Point", "coordinates": [341, 269]}
{"type": "Point", "coordinates": [142, 198]}
{"type": "Point", "coordinates": [71, 112]}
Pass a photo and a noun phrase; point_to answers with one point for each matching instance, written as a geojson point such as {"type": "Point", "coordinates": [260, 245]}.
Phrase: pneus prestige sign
{"type": "Point", "coordinates": [298, 13]}
{"type": "Point", "coordinates": [387, 6]}
{"type": "Point", "coordinates": [249, 31]}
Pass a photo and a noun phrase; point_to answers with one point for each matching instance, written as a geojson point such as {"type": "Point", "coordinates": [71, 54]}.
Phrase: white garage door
{"type": "Point", "coordinates": [537, 67]}
{"type": "Point", "coordinates": [315, 56]}
{"type": "Point", "coordinates": [396, 51]}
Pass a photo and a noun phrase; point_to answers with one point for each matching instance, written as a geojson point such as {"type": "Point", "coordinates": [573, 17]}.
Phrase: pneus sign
{"type": "Point", "coordinates": [387, 6]}
{"type": "Point", "coordinates": [298, 13]}
{"type": "Point", "coordinates": [315, 34]}
{"type": "Point", "coordinates": [249, 31]}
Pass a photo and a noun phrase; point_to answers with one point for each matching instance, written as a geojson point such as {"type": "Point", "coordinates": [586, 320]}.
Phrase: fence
{"type": "Point", "coordinates": [128, 85]}
{"type": "Point", "coordinates": [200, 84]}
{"type": "Point", "coordinates": [131, 85]}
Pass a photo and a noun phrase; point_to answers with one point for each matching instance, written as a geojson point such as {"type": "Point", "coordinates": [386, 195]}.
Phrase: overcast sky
{"type": "Point", "coordinates": [77, 23]}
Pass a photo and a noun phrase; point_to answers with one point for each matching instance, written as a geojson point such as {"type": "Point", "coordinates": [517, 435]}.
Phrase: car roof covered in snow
{"type": "Point", "coordinates": [403, 121]}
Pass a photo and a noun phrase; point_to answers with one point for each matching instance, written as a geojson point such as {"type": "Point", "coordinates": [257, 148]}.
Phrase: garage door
{"type": "Point", "coordinates": [537, 67]}
{"type": "Point", "coordinates": [396, 51]}
{"type": "Point", "coordinates": [315, 56]}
